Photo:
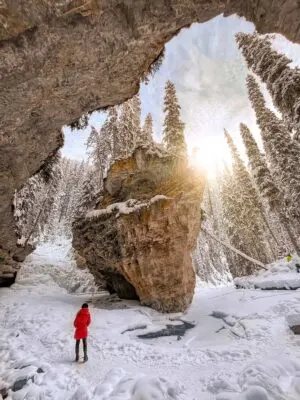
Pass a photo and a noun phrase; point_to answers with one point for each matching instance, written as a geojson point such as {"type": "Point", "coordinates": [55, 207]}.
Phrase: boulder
{"type": "Point", "coordinates": [139, 240]}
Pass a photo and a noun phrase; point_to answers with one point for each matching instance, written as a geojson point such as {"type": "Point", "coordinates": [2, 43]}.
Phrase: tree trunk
{"type": "Point", "coordinates": [260, 264]}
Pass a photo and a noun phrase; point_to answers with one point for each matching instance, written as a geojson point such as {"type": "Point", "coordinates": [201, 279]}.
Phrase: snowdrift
{"type": "Point", "coordinates": [281, 275]}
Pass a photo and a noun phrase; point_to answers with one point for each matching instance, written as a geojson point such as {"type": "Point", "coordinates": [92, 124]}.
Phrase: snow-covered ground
{"type": "Point", "coordinates": [241, 347]}
{"type": "Point", "coordinates": [279, 275]}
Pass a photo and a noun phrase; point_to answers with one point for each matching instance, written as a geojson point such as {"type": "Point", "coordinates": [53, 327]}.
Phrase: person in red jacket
{"type": "Point", "coordinates": [81, 323]}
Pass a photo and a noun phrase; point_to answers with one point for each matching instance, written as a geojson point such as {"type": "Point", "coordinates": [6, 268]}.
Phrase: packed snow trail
{"type": "Point", "coordinates": [241, 347]}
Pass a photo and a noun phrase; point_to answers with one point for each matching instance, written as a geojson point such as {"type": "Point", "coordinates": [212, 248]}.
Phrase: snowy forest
{"type": "Point", "coordinates": [252, 205]}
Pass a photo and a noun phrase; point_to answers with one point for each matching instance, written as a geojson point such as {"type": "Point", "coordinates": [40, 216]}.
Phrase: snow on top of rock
{"type": "Point", "coordinates": [125, 207]}
{"type": "Point", "coordinates": [158, 150]}
{"type": "Point", "coordinates": [280, 275]}
{"type": "Point", "coordinates": [293, 319]}
{"type": "Point", "coordinates": [158, 197]}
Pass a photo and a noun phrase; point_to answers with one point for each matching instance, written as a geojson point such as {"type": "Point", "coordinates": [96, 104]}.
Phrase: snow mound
{"type": "Point", "coordinates": [293, 319]}
{"type": "Point", "coordinates": [117, 385]}
{"type": "Point", "coordinates": [280, 275]}
{"type": "Point", "coordinates": [268, 380]}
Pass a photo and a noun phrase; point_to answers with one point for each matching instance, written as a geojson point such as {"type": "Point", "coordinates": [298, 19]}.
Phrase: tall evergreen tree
{"type": "Point", "coordinates": [99, 147]}
{"type": "Point", "coordinates": [209, 258]}
{"type": "Point", "coordinates": [265, 182]}
{"type": "Point", "coordinates": [146, 134]}
{"type": "Point", "coordinates": [68, 197]}
{"type": "Point", "coordinates": [129, 126]}
{"type": "Point", "coordinates": [235, 227]}
{"type": "Point", "coordinates": [259, 169]}
{"type": "Point", "coordinates": [282, 152]}
{"type": "Point", "coordinates": [252, 213]}
{"type": "Point", "coordinates": [112, 131]}
{"type": "Point", "coordinates": [33, 202]}
{"type": "Point", "coordinates": [173, 134]}
{"type": "Point", "coordinates": [283, 82]}
{"type": "Point", "coordinates": [88, 196]}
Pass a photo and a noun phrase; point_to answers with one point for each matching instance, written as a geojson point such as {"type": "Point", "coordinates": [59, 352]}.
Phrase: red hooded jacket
{"type": "Point", "coordinates": [81, 323]}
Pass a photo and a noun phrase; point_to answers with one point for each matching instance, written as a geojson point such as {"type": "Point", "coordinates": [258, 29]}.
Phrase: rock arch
{"type": "Point", "coordinates": [62, 58]}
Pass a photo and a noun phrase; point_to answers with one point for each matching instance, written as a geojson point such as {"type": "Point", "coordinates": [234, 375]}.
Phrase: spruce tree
{"type": "Point", "coordinates": [33, 202]}
{"type": "Point", "coordinates": [259, 169]}
{"type": "Point", "coordinates": [173, 133]}
{"type": "Point", "coordinates": [88, 196]}
{"type": "Point", "coordinates": [235, 227]}
{"type": "Point", "coordinates": [281, 151]}
{"type": "Point", "coordinates": [209, 257]}
{"type": "Point", "coordinates": [265, 182]}
{"type": "Point", "coordinates": [69, 194]}
{"type": "Point", "coordinates": [112, 131]}
{"type": "Point", "coordinates": [252, 213]}
{"type": "Point", "coordinates": [283, 82]}
{"type": "Point", "coordinates": [129, 126]}
{"type": "Point", "coordinates": [146, 134]}
{"type": "Point", "coordinates": [99, 147]}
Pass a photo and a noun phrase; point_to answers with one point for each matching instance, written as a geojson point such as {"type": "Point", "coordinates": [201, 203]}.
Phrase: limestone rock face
{"type": "Point", "coordinates": [140, 241]}
{"type": "Point", "coordinates": [63, 58]}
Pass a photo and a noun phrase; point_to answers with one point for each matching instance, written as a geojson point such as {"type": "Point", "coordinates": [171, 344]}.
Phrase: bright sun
{"type": "Point", "coordinates": [210, 154]}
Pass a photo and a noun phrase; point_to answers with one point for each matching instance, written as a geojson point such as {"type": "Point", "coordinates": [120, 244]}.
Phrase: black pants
{"type": "Point", "coordinates": [84, 347]}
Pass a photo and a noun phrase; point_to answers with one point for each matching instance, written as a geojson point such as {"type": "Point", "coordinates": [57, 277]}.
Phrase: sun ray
{"type": "Point", "coordinates": [209, 154]}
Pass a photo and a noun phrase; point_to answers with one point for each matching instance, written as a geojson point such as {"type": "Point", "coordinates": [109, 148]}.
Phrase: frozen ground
{"type": "Point", "coordinates": [280, 275]}
{"type": "Point", "coordinates": [241, 347]}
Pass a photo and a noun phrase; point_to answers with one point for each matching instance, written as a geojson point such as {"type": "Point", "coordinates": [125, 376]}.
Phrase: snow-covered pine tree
{"type": "Point", "coordinates": [234, 226]}
{"type": "Point", "coordinates": [259, 169]}
{"type": "Point", "coordinates": [33, 202]}
{"type": "Point", "coordinates": [283, 82]}
{"type": "Point", "coordinates": [252, 213]}
{"type": "Point", "coordinates": [50, 175]}
{"type": "Point", "coordinates": [111, 130]}
{"type": "Point", "coordinates": [66, 202]}
{"type": "Point", "coordinates": [53, 225]}
{"type": "Point", "coordinates": [173, 133]}
{"type": "Point", "coordinates": [88, 196]}
{"type": "Point", "coordinates": [78, 177]}
{"type": "Point", "coordinates": [209, 257]}
{"type": "Point", "coordinates": [99, 148]}
{"type": "Point", "coordinates": [146, 134]}
{"type": "Point", "coordinates": [281, 151]}
{"type": "Point", "coordinates": [129, 126]}
{"type": "Point", "coordinates": [265, 182]}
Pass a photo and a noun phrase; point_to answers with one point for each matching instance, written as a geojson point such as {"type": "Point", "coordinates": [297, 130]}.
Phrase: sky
{"type": "Point", "coordinates": [209, 74]}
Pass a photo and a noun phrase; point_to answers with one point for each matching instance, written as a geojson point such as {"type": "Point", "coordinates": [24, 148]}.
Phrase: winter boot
{"type": "Point", "coordinates": [85, 357]}
{"type": "Point", "coordinates": [77, 351]}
